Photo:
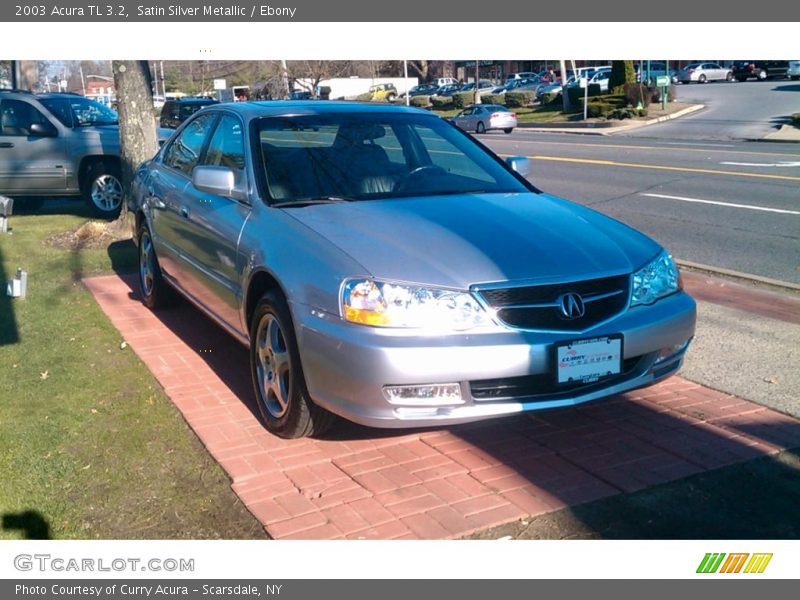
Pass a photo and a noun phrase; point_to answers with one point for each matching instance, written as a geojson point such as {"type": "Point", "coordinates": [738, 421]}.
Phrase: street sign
{"type": "Point", "coordinates": [662, 80]}
{"type": "Point", "coordinates": [220, 84]}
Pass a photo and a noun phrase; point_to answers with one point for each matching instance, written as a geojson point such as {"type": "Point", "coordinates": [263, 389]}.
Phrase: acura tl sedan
{"type": "Point", "coordinates": [384, 266]}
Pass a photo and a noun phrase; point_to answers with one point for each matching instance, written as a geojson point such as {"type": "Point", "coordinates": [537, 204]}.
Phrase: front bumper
{"type": "Point", "coordinates": [347, 366]}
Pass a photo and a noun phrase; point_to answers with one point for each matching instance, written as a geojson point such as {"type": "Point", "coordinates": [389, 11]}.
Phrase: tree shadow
{"type": "Point", "coordinates": [30, 522]}
{"type": "Point", "coordinates": [788, 87]}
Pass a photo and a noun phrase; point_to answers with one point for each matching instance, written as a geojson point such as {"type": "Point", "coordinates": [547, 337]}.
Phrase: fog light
{"type": "Point", "coordinates": [671, 351]}
{"type": "Point", "coordinates": [441, 394]}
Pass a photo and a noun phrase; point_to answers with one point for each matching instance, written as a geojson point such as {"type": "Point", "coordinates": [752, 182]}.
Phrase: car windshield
{"type": "Point", "coordinates": [373, 156]}
{"type": "Point", "coordinates": [88, 112]}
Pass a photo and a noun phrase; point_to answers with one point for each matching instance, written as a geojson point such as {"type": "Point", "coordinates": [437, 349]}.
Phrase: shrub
{"type": "Point", "coordinates": [622, 72]}
{"type": "Point", "coordinates": [365, 97]}
{"type": "Point", "coordinates": [493, 99]}
{"type": "Point", "coordinates": [796, 119]}
{"type": "Point", "coordinates": [550, 97]}
{"type": "Point", "coordinates": [622, 113]}
{"type": "Point", "coordinates": [441, 101]}
{"type": "Point", "coordinates": [576, 93]}
{"type": "Point", "coordinates": [519, 99]}
{"type": "Point", "coordinates": [636, 93]}
{"type": "Point", "coordinates": [615, 100]}
{"type": "Point", "coordinates": [594, 89]}
{"type": "Point", "coordinates": [420, 101]}
{"type": "Point", "coordinates": [599, 109]}
{"type": "Point", "coordinates": [462, 99]}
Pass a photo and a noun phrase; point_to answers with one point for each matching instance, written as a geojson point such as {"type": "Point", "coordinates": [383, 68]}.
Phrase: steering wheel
{"type": "Point", "coordinates": [403, 184]}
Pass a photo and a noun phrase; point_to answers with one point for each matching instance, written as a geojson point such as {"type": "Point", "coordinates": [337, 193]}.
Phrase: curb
{"type": "Point", "coordinates": [777, 283]}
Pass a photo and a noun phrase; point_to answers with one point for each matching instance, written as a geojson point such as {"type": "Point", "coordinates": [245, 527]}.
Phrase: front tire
{"type": "Point", "coordinates": [102, 190]}
{"type": "Point", "coordinates": [508, 130]}
{"type": "Point", "coordinates": [156, 293]}
{"type": "Point", "coordinates": [481, 128]}
{"type": "Point", "coordinates": [702, 79]}
{"type": "Point", "coordinates": [278, 379]}
{"type": "Point", "coordinates": [762, 75]}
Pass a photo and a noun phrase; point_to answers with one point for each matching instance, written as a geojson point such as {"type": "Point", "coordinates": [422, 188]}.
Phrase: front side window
{"type": "Point", "coordinates": [87, 113]}
{"type": "Point", "coordinates": [184, 152]}
{"type": "Point", "coordinates": [372, 157]}
{"type": "Point", "coordinates": [17, 117]}
{"type": "Point", "coordinates": [226, 148]}
{"type": "Point", "coordinates": [60, 108]}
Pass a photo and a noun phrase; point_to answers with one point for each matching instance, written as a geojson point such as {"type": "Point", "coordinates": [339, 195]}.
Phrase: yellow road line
{"type": "Point", "coordinates": [611, 163]}
{"type": "Point", "coordinates": [632, 147]}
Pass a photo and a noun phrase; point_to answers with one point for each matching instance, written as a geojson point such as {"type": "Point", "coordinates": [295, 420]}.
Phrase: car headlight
{"type": "Point", "coordinates": [388, 304]}
{"type": "Point", "coordinates": [655, 280]}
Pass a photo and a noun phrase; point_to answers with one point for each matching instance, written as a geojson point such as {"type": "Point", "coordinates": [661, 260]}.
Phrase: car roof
{"type": "Point", "coordinates": [271, 108]}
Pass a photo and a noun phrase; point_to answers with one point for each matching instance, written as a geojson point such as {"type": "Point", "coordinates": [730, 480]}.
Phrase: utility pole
{"type": "Point", "coordinates": [405, 74]}
{"type": "Point", "coordinates": [477, 80]}
{"type": "Point", "coordinates": [163, 89]}
{"type": "Point", "coordinates": [564, 94]}
{"type": "Point", "coordinates": [285, 78]}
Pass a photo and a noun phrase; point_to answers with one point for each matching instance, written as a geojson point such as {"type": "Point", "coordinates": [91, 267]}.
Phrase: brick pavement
{"type": "Point", "coordinates": [361, 483]}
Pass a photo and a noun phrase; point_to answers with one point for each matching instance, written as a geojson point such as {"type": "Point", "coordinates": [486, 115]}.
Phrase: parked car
{"type": "Point", "coordinates": [657, 69]}
{"type": "Point", "coordinates": [601, 78]}
{"type": "Point", "coordinates": [481, 118]}
{"type": "Point", "coordinates": [760, 69]}
{"type": "Point", "coordinates": [484, 87]}
{"type": "Point", "coordinates": [375, 277]}
{"type": "Point", "coordinates": [425, 89]}
{"type": "Point", "coordinates": [522, 75]}
{"type": "Point", "coordinates": [384, 91]}
{"type": "Point", "coordinates": [794, 70]}
{"type": "Point", "coordinates": [704, 72]}
{"type": "Point", "coordinates": [176, 111]}
{"type": "Point", "coordinates": [519, 85]}
{"type": "Point", "coordinates": [448, 89]}
{"type": "Point", "coordinates": [301, 95]}
{"type": "Point", "coordinates": [440, 81]}
{"type": "Point", "coordinates": [553, 88]}
{"type": "Point", "coordinates": [60, 145]}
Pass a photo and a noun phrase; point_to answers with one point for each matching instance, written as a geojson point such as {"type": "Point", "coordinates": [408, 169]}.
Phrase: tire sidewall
{"type": "Point", "coordinates": [273, 303]}
{"type": "Point", "coordinates": [94, 172]}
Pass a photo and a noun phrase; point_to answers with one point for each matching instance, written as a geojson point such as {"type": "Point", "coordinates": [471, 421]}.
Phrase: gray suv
{"type": "Point", "coordinates": [59, 145]}
{"type": "Point", "coordinates": [382, 265]}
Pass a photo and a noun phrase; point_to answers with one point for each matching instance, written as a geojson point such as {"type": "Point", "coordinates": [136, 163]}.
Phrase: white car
{"type": "Point", "coordinates": [440, 81]}
{"type": "Point", "coordinates": [704, 72]}
{"type": "Point", "coordinates": [481, 118]}
{"type": "Point", "coordinates": [601, 78]}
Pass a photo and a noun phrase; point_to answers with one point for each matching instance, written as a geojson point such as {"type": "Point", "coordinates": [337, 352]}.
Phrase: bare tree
{"type": "Point", "coordinates": [137, 125]}
{"type": "Point", "coordinates": [308, 73]}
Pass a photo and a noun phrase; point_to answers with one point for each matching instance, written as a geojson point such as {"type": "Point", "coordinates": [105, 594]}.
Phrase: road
{"type": "Point", "coordinates": [747, 110]}
{"type": "Point", "coordinates": [734, 205]}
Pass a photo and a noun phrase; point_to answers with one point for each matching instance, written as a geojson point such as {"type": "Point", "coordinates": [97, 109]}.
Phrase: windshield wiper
{"type": "Point", "coordinates": [310, 201]}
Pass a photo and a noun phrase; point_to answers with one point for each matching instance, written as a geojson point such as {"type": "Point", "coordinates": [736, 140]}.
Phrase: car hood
{"type": "Point", "coordinates": [458, 241]}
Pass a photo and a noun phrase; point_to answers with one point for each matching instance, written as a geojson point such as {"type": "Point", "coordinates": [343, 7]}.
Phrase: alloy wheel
{"type": "Point", "coordinates": [106, 193]}
{"type": "Point", "coordinates": [273, 366]}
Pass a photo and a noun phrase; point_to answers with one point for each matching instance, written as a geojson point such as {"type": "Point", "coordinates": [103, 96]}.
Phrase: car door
{"type": "Point", "coordinates": [166, 185]}
{"type": "Point", "coordinates": [30, 162]}
{"type": "Point", "coordinates": [211, 226]}
{"type": "Point", "coordinates": [464, 118]}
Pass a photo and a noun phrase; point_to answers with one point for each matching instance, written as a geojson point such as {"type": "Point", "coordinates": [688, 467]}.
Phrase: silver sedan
{"type": "Point", "coordinates": [704, 72]}
{"type": "Point", "coordinates": [481, 118]}
{"type": "Point", "coordinates": [383, 266]}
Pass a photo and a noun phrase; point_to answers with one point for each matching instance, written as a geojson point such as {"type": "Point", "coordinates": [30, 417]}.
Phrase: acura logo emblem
{"type": "Point", "coordinates": [571, 305]}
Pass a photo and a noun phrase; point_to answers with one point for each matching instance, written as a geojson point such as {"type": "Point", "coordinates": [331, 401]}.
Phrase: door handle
{"type": "Point", "coordinates": [6, 145]}
{"type": "Point", "coordinates": [185, 211]}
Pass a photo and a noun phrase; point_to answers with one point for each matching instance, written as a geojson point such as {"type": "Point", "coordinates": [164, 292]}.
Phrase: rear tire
{"type": "Point", "coordinates": [102, 189]}
{"type": "Point", "coordinates": [508, 130]}
{"type": "Point", "coordinates": [481, 128]}
{"type": "Point", "coordinates": [156, 293]}
{"type": "Point", "coordinates": [702, 79]}
{"type": "Point", "coordinates": [278, 379]}
{"type": "Point", "coordinates": [729, 77]}
{"type": "Point", "coordinates": [762, 75]}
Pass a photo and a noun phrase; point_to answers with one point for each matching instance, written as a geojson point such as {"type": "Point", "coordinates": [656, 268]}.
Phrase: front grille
{"type": "Point", "coordinates": [509, 303]}
{"type": "Point", "coordinates": [544, 387]}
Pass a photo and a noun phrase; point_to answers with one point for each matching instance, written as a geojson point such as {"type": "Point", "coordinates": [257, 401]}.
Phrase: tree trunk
{"type": "Point", "coordinates": [137, 124]}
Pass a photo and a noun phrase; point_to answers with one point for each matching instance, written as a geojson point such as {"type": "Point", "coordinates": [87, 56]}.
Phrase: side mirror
{"type": "Point", "coordinates": [218, 181]}
{"type": "Point", "coordinates": [43, 130]}
{"type": "Point", "coordinates": [520, 164]}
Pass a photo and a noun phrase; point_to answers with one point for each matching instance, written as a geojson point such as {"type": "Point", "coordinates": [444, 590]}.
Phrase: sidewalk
{"type": "Point", "coordinates": [787, 133]}
{"type": "Point", "coordinates": [361, 483]}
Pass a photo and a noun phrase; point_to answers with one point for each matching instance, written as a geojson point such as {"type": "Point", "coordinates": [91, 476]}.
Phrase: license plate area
{"type": "Point", "coordinates": [588, 360]}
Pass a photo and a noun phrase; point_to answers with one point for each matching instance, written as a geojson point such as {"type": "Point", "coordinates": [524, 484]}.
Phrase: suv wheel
{"type": "Point", "coordinates": [277, 374]}
{"type": "Point", "coordinates": [156, 293]}
{"type": "Point", "coordinates": [102, 190]}
{"type": "Point", "coordinates": [762, 74]}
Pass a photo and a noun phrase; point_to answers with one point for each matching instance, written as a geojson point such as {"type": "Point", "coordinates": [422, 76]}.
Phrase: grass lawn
{"type": "Point", "coordinates": [90, 447]}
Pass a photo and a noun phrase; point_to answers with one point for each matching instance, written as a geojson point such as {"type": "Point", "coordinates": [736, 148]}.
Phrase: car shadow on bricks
{"type": "Point", "coordinates": [447, 482]}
